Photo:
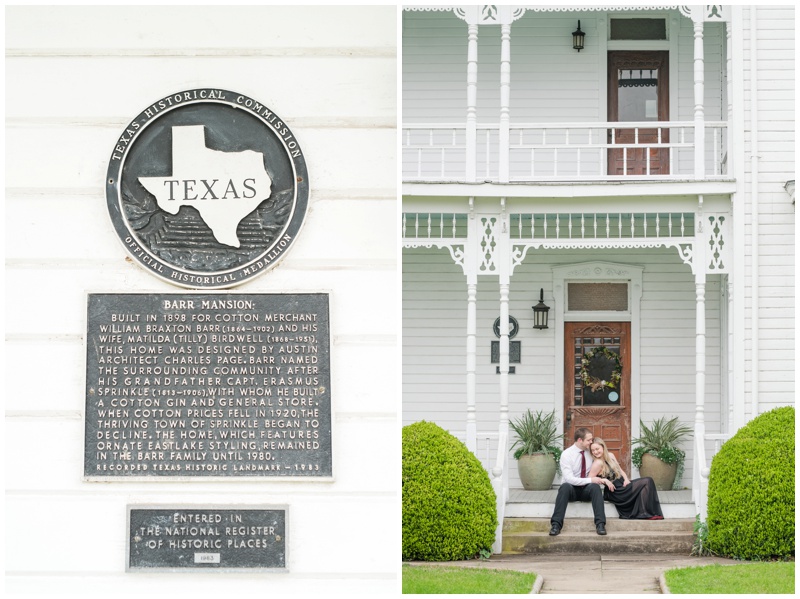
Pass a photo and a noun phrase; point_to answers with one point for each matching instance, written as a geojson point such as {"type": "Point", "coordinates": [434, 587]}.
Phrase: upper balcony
{"type": "Point", "coordinates": [546, 152]}
{"type": "Point", "coordinates": [501, 95]}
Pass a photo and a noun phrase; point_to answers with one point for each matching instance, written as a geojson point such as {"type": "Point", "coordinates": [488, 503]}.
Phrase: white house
{"type": "Point", "coordinates": [668, 239]}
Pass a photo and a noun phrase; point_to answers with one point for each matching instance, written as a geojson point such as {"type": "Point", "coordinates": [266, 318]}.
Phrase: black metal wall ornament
{"type": "Point", "coordinates": [514, 347]}
{"type": "Point", "coordinates": [207, 188]}
{"type": "Point", "coordinates": [513, 327]}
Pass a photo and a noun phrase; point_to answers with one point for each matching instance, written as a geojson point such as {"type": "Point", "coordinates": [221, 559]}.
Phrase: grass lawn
{"type": "Point", "coordinates": [758, 577]}
{"type": "Point", "coordinates": [473, 581]}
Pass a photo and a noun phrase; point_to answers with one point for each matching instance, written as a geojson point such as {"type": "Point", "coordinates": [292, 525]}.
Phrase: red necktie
{"type": "Point", "coordinates": [583, 465]}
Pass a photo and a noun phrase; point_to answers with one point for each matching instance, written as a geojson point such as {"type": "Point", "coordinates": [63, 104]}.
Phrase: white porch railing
{"type": "Point", "coordinates": [702, 470]}
{"type": "Point", "coordinates": [564, 151]}
{"type": "Point", "coordinates": [492, 451]}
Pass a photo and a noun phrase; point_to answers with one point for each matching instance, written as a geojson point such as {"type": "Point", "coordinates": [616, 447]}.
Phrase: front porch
{"type": "Point", "coordinates": [499, 240]}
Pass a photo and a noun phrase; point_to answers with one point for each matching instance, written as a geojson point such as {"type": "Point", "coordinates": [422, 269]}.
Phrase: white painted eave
{"type": "Point", "coordinates": [599, 189]}
{"type": "Point", "coordinates": [553, 8]}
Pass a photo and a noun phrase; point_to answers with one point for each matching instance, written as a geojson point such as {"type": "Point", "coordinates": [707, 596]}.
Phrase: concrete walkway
{"type": "Point", "coordinates": [595, 574]}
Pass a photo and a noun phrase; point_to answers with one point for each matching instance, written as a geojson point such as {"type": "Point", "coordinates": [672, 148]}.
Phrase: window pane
{"type": "Point", "coordinates": [638, 29]}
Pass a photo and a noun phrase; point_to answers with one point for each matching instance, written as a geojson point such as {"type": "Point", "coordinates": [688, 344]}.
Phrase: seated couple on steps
{"type": "Point", "coordinates": [598, 477]}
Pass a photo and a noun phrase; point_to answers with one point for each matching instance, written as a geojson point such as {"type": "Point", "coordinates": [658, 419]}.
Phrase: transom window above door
{"type": "Point", "coordinates": [638, 29]}
{"type": "Point", "coordinates": [601, 297]}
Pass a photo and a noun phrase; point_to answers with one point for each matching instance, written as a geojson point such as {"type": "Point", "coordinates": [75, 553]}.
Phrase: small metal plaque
{"type": "Point", "coordinates": [207, 537]}
{"type": "Point", "coordinates": [207, 188]}
{"type": "Point", "coordinates": [204, 385]}
{"type": "Point", "coordinates": [514, 352]}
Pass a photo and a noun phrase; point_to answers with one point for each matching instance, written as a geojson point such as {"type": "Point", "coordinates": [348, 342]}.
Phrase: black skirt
{"type": "Point", "coordinates": [639, 500]}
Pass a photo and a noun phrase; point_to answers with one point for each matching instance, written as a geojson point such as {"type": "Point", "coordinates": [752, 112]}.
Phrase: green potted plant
{"type": "Point", "coordinates": [658, 455]}
{"type": "Point", "coordinates": [538, 449]}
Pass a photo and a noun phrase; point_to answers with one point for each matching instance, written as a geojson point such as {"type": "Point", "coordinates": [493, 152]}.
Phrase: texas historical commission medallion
{"type": "Point", "coordinates": [207, 188]}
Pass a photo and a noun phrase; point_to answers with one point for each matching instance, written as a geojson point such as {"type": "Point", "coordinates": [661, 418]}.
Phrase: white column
{"type": "Point", "coordinates": [504, 359]}
{"type": "Point", "coordinates": [729, 86]}
{"type": "Point", "coordinates": [472, 332]}
{"type": "Point", "coordinates": [700, 380]}
{"type": "Point", "coordinates": [503, 253]}
{"type": "Point", "coordinates": [472, 102]}
{"type": "Point", "coordinates": [471, 270]}
{"type": "Point", "coordinates": [699, 268]}
{"type": "Point", "coordinates": [730, 424]}
{"type": "Point", "coordinates": [505, 100]}
{"type": "Point", "coordinates": [699, 89]}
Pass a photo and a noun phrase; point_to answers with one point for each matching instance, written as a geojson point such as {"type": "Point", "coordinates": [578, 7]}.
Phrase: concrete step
{"type": "Point", "coordinates": [540, 504]}
{"type": "Point", "coordinates": [531, 535]}
{"type": "Point", "coordinates": [579, 525]}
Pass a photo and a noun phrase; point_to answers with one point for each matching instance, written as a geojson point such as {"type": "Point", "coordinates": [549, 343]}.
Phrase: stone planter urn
{"type": "Point", "coordinates": [536, 471]}
{"type": "Point", "coordinates": [663, 474]}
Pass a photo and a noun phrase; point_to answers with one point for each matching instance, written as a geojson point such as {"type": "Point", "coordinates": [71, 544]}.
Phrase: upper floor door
{"type": "Point", "coordinates": [638, 91]}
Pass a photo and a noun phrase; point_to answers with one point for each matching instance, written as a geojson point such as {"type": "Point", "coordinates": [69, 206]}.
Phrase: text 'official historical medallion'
{"type": "Point", "coordinates": [207, 188]}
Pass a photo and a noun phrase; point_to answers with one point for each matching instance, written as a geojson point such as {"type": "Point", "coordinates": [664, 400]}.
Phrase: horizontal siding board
{"type": "Point", "coordinates": [369, 86]}
{"type": "Point", "coordinates": [64, 27]}
{"type": "Point", "coordinates": [365, 157]}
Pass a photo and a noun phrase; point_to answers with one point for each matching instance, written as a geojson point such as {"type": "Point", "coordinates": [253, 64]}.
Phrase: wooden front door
{"type": "Point", "coordinates": [638, 91]}
{"type": "Point", "coordinates": [603, 409]}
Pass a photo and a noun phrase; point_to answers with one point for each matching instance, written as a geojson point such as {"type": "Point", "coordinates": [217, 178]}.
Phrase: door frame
{"type": "Point", "coordinates": [599, 272]}
{"type": "Point", "coordinates": [657, 58]}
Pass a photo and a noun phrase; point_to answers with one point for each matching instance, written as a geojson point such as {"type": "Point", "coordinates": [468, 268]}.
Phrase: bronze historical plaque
{"type": "Point", "coordinates": [207, 188]}
{"type": "Point", "coordinates": [208, 384]}
{"type": "Point", "coordinates": [207, 538]}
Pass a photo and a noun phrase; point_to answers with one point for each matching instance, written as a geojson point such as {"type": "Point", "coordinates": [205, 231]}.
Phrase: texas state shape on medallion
{"type": "Point", "coordinates": [224, 187]}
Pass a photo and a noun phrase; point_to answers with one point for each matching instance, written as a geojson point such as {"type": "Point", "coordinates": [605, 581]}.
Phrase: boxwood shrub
{"type": "Point", "coordinates": [751, 490]}
{"type": "Point", "coordinates": [449, 510]}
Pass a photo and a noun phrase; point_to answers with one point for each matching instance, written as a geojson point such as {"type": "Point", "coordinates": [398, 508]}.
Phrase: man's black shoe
{"type": "Point", "coordinates": [555, 529]}
{"type": "Point", "coordinates": [601, 529]}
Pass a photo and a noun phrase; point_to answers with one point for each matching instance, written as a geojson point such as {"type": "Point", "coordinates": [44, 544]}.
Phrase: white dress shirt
{"type": "Point", "coordinates": [571, 466]}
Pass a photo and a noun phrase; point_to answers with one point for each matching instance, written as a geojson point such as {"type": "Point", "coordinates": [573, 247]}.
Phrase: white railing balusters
{"type": "Point", "coordinates": [425, 145]}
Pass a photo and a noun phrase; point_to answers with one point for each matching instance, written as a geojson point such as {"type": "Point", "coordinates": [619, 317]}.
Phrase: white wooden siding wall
{"type": "Point", "coordinates": [434, 341]}
{"type": "Point", "coordinates": [74, 78]}
{"type": "Point", "coordinates": [777, 142]}
{"type": "Point", "coordinates": [434, 67]}
{"type": "Point", "coordinates": [549, 80]}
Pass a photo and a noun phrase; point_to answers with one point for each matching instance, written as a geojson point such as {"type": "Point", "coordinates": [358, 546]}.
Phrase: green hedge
{"type": "Point", "coordinates": [751, 490]}
{"type": "Point", "coordinates": [449, 509]}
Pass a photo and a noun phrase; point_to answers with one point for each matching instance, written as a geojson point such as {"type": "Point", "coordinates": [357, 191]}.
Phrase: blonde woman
{"type": "Point", "coordinates": [637, 499]}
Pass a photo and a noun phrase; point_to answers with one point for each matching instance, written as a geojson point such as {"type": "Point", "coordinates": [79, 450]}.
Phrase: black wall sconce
{"type": "Point", "coordinates": [540, 312]}
{"type": "Point", "coordinates": [577, 40]}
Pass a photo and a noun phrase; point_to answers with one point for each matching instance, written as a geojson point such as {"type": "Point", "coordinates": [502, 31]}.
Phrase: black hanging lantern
{"type": "Point", "coordinates": [577, 40]}
{"type": "Point", "coordinates": [540, 312]}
